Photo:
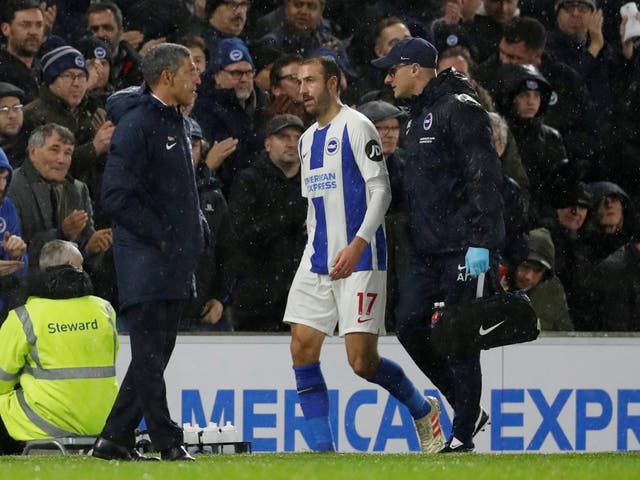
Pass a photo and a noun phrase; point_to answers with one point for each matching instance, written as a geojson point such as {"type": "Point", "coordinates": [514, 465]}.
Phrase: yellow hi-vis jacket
{"type": "Point", "coordinates": [63, 353]}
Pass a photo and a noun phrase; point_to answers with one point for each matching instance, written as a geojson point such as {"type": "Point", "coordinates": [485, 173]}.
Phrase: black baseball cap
{"type": "Point", "coordinates": [409, 50]}
{"type": "Point", "coordinates": [284, 120]}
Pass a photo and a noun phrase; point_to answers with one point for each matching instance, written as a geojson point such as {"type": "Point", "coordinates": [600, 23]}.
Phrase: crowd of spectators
{"type": "Point", "coordinates": [559, 78]}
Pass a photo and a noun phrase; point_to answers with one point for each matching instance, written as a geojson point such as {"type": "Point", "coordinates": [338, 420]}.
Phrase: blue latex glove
{"type": "Point", "coordinates": [476, 261]}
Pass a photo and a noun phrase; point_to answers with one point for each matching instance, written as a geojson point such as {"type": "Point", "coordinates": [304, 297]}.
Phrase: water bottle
{"type": "Point", "coordinates": [191, 434]}
{"type": "Point", "coordinates": [229, 433]}
{"type": "Point", "coordinates": [211, 434]}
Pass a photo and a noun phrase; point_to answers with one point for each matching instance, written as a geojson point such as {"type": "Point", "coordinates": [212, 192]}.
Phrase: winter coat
{"type": "Point", "coordinates": [615, 292]}
{"type": "Point", "coordinates": [541, 147]}
{"type": "Point", "coordinates": [32, 197]}
{"type": "Point", "coordinates": [572, 267]}
{"type": "Point", "coordinates": [599, 73]}
{"type": "Point", "coordinates": [548, 298]}
{"type": "Point", "coordinates": [13, 71]}
{"type": "Point", "coordinates": [149, 190]}
{"type": "Point", "coordinates": [214, 275]}
{"type": "Point", "coordinates": [86, 166]}
{"type": "Point", "coordinates": [221, 115]}
{"type": "Point", "coordinates": [452, 177]}
{"type": "Point", "coordinates": [570, 108]}
{"type": "Point", "coordinates": [48, 108]}
{"type": "Point", "coordinates": [125, 67]}
{"type": "Point", "coordinates": [269, 216]}
{"type": "Point", "coordinates": [11, 286]}
{"type": "Point", "coordinates": [287, 39]}
{"type": "Point", "coordinates": [602, 244]}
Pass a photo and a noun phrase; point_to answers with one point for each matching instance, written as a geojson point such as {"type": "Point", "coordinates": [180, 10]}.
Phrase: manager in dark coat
{"type": "Point", "coordinates": [150, 192]}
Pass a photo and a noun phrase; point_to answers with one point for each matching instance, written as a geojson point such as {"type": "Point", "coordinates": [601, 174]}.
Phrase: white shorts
{"type": "Point", "coordinates": [356, 303]}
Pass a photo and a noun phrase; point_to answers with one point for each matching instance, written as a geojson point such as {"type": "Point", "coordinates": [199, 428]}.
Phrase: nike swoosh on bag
{"type": "Point", "coordinates": [484, 331]}
{"type": "Point", "coordinates": [169, 147]}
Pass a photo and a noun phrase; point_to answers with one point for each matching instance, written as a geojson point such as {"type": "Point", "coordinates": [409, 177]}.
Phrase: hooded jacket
{"type": "Point", "coordinates": [10, 286]}
{"type": "Point", "coordinates": [149, 190]}
{"type": "Point", "coordinates": [221, 115]}
{"type": "Point", "coordinates": [570, 109]}
{"type": "Point", "coordinates": [615, 292]}
{"type": "Point", "coordinates": [541, 147]}
{"type": "Point", "coordinates": [602, 244]}
{"type": "Point", "coordinates": [453, 177]}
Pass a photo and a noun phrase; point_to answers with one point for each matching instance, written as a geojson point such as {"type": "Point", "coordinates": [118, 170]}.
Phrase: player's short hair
{"type": "Point", "coordinates": [329, 66]}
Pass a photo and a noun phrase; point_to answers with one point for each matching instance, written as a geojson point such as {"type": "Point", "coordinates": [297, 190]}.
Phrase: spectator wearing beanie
{"type": "Point", "coordinates": [571, 204]}
{"type": "Point", "coordinates": [97, 53]}
{"type": "Point", "coordinates": [223, 20]}
{"type": "Point", "coordinates": [63, 100]}
{"type": "Point", "coordinates": [229, 109]}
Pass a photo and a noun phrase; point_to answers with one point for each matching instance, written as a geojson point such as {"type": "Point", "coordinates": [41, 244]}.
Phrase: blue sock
{"type": "Point", "coordinates": [392, 378]}
{"type": "Point", "coordinates": [314, 401]}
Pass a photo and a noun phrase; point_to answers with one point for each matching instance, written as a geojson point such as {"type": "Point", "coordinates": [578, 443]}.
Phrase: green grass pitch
{"type": "Point", "coordinates": [322, 466]}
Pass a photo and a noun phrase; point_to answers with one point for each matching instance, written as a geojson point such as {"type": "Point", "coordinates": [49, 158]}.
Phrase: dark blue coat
{"type": "Point", "coordinates": [149, 190]}
{"type": "Point", "coordinates": [452, 174]}
{"type": "Point", "coordinates": [221, 115]}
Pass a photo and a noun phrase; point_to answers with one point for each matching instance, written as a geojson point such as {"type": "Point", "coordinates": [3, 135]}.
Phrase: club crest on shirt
{"type": "Point", "coordinates": [3, 225]}
{"type": "Point", "coordinates": [373, 151]}
{"type": "Point", "coordinates": [428, 121]}
{"type": "Point", "coordinates": [332, 146]}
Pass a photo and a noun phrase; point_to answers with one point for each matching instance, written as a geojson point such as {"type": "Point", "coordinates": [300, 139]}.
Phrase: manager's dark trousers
{"type": "Point", "coordinates": [153, 328]}
{"type": "Point", "coordinates": [423, 281]}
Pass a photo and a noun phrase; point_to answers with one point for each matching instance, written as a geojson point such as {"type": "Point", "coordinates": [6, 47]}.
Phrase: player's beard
{"type": "Point", "coordinates": [320, 104]}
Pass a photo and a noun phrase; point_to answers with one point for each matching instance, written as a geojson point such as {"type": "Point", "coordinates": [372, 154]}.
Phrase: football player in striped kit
{"type": "Point", "coordinates": [341, 279]}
